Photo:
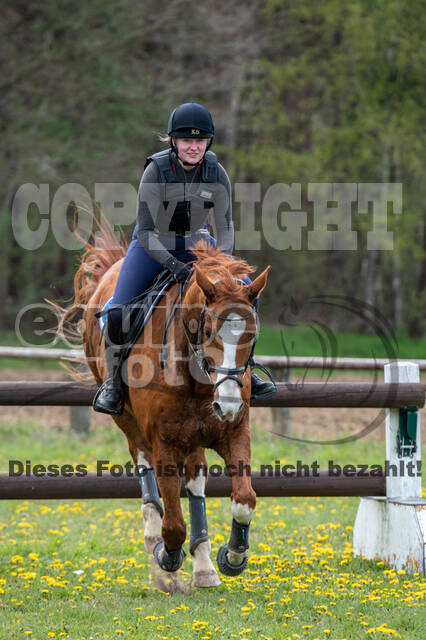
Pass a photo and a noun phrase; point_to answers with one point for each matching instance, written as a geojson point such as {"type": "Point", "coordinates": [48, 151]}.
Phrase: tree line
{"type": "Point", "coordinates": [301, 93]}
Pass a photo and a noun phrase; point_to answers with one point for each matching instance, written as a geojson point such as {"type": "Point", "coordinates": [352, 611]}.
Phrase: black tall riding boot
{"type": "Point", "coordinates": [110, 397]}
{"type": "Point", "coordinates": [261, 388]}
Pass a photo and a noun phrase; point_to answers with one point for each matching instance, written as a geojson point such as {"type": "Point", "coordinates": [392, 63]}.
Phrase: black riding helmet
{"type": "Point", "coordinates": [190, 120]}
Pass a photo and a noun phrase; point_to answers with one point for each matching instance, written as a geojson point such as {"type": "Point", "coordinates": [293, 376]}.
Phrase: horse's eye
{"type": "Point", "coordinates": [208, 334]}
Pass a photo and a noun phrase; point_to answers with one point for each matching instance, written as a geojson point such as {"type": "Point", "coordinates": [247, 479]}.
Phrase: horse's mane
{"type": "Point", "coordinates": [103, 249]}
{"type": "Point", "coordinates": [221, 267]}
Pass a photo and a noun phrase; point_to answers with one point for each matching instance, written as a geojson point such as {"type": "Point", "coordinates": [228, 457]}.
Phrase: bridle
{"type": "Point", "coordinates": [231, 373]}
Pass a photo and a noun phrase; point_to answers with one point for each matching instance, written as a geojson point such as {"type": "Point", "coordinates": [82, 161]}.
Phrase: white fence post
{"type": "Point", "coordinates": [403, 454]}
{"type": "Point", "coordinates": [393, 529]}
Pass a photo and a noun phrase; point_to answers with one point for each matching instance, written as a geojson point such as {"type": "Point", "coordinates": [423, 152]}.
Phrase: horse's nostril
{"type": "Point", "coordinates": [217, 409]}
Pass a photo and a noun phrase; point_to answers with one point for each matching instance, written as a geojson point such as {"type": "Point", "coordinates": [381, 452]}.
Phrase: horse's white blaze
{"type": "Point", "coordinates": [150, 514]}
{"type": "Point", "coordinates": [229, 392]}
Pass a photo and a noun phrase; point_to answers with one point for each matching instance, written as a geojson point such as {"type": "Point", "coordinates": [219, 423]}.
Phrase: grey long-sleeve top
{"type": "Point", "coordinates": [153, 219]}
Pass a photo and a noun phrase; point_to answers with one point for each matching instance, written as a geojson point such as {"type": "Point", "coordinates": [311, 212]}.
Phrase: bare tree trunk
{"type": "Point", "coordinates": [5, 251]}
{"type": "Point", "coordinates": [396, 291]}
{"type": "Point", "coordinates": [416, 327]}
{"type": "Point", "coordinates": [396, 262]}
{"type": "Point", "coordinates": [368, 275]}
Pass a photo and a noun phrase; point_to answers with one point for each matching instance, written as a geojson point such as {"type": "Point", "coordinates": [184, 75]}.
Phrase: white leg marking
{"type": "Point", "coordinates": [241, 512]}
{"type": "Point", "coordinates": [229, 392]}
{"type": "Point", "coordinates": [197, 485]}
{"type": "Point", "coordinates": [202, 560]}
{"type": "Point", "coordinates": [205, 575]}
{"type": "Point", "coordinates": [152, 521]}
{"type": "Point", "coordinates": [142, 460]}
{"type": "Point", "coordinates": [236, 558]}
{"type": "Point", "coordinates": [150, 514]}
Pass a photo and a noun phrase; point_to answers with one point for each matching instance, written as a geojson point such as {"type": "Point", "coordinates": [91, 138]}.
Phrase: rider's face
{"type": "Point", "coordinates": [191, 150]}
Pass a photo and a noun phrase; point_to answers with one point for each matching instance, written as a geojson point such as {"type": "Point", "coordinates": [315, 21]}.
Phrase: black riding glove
{"type": "Point", "coordinates": [179, 270]}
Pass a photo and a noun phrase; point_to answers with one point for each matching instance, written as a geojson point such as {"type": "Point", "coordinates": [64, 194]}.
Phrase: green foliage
{"type": "Point", "coordinates": [301, 92]}
{"type": "Point", "coordinates": [340, 98]}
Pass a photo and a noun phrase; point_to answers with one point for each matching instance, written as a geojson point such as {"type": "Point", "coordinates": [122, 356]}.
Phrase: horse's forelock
{"type": "Point", "coordinates": [222, 268]}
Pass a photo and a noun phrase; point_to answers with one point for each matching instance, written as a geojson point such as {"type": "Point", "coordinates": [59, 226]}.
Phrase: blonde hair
{"type": "Point", "coordinates": [164, 138]}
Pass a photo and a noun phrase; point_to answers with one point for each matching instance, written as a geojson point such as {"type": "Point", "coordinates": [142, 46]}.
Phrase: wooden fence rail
{"type": "Point", "coordinates": [107, 486]}
{"type": "Point", "coordinates": [310, 394]}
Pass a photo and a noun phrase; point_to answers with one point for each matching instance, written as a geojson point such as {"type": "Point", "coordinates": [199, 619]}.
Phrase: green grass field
{"type": "Point", "coordinates": [78, 570]}
{"type": "Point", "coordinates": [304, 341]}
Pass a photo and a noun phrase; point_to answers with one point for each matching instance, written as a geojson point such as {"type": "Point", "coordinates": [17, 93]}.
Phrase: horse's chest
{"type": "Point", "coordinates": [196, 432]}
{"type": "Point", "coordinates": [189, 426]}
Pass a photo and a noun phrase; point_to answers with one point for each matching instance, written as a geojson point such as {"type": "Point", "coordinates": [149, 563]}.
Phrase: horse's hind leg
{"type": "Point", "coordinates": [168, 553]}
{"type": "Point", "coordinates": [152, 510]}
{"type": "Point", "coordinates": [205, 574]}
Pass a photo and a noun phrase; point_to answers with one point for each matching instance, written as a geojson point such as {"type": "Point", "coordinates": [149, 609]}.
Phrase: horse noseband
{"type": "Point", "coordinates": [230, 373]}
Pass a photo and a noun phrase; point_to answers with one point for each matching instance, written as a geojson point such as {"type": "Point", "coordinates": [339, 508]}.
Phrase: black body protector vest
{"type": "Point", "coordinates": [189, 211]}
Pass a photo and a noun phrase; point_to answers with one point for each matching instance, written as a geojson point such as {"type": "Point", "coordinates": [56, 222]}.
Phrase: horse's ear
{"type": "Point", "coordinates": [205, 284]}
{"type": "Point", "coordinates": [257, 286]}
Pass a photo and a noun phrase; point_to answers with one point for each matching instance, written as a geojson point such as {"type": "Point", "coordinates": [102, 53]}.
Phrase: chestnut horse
{"type": "Point", "coordinates": [199, 399]}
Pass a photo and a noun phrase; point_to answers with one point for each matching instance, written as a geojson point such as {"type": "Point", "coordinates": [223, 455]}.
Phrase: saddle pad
{"type": "Point", "coordinates": [145, 306]}
{"type": "Point", "coordinates": [101, 319]}
{"type": "Point", "coordinates": [140, 309]}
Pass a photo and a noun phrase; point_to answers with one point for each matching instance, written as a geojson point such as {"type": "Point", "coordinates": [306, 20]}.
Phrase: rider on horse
{"type": "Point", "coordinates": [178, 188]}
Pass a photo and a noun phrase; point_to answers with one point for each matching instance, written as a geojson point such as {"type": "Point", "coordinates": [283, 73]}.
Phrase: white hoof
{"type": "Point", "coordinates": [206, 579]}
{"type": "Point", "coordinates": [169, 582]}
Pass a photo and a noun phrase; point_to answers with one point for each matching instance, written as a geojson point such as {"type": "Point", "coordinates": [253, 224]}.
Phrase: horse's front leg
{"type": "Point", "coordinates": [205, 575]}
{"type": "Point", "coordinates": [232, 558]}
{"type": "Point", "coordinates": [168, 553]}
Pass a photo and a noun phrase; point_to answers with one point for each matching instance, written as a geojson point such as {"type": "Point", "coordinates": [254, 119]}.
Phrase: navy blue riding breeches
{"type": "Point", "coordinates": [139, 269]}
